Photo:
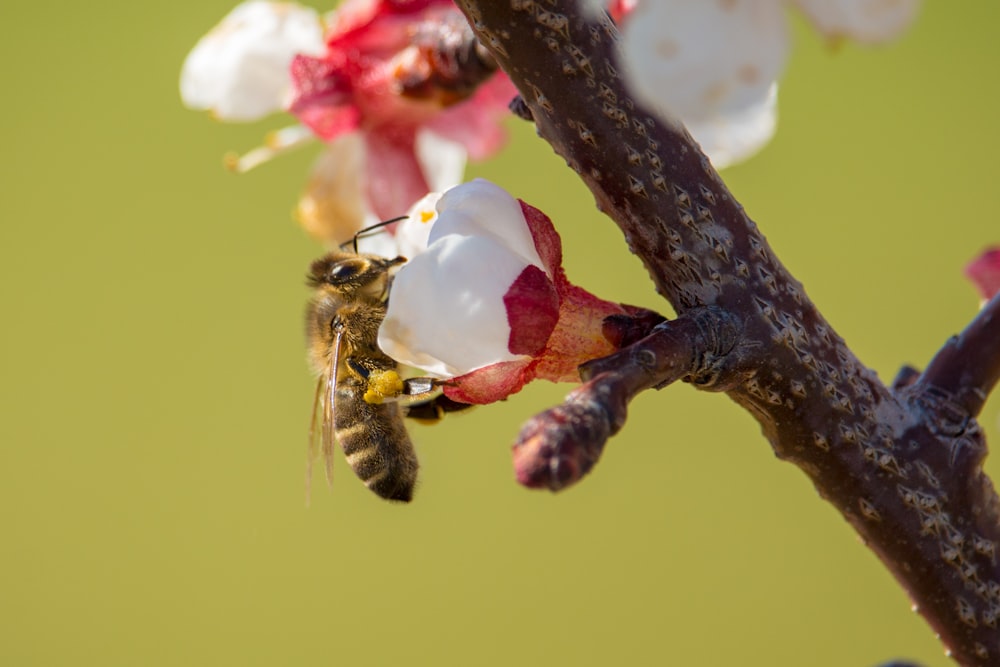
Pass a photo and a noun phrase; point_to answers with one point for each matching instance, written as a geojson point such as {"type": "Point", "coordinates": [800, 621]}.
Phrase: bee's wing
{"type": "Point", "coordinates": [311, 450]}
{"type": "Point", "coordinates": [321, 428]}
{"type": "Point", "coordinates": [328, 435]}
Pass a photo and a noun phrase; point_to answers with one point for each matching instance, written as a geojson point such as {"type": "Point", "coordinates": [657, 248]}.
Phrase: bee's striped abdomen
{"type": "Point", "coordinates": [375, 443]}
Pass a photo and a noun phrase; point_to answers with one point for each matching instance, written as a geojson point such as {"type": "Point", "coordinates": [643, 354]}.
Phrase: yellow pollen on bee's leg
{"type": "Point", "coordinates": [383, 385]}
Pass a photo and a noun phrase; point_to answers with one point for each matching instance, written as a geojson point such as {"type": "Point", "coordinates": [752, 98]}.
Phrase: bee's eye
{"type": "Point", "coordinates": [342, 271]}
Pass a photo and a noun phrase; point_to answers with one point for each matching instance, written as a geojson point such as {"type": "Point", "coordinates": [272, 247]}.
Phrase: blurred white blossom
{"type": "Point", "coordinates": [715, 64]}
{"type": "Point", "coordinates": [239, 70]}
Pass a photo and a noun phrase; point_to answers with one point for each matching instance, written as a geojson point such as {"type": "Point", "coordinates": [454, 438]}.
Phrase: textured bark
{"type": "Point", "coordinates": [903, 465]}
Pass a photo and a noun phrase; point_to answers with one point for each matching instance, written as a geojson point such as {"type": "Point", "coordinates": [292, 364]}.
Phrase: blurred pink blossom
{"type": "Point", "coordinates": [984, 272]}
{"type": "Point", "coordinates": [346, 85]}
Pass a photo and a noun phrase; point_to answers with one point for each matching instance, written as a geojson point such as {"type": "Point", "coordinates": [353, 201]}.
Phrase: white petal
{"type": "Point", "coordinates": [413, 232]}
{"type": "Point", "coordinates": [704, 60]}
{"type": "Point", "coordinates": [443, 160]}
{"type": "Point", "coordinates": [480, 207]}
{"type": "Point", "coordinates": [869, 21]}
{"type": "Point", "coordinates": [734, 137]}
{"type": "Point", "coordinates": [239, 70]}
{"type": "Point", "coordinates": [446, 313]}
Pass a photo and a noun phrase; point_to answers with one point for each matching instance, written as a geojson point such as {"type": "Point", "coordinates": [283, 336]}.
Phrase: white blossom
{"type": "Point", "coordinates": [484, 300]}
{"type": "Point", "coordinates": [239, 70]}
{"type": "Point", "coordinates": [446, 313]}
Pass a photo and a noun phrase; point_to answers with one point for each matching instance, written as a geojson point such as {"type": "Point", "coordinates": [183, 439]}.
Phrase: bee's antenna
{"type": "Point", "coordinates": [366, 230]}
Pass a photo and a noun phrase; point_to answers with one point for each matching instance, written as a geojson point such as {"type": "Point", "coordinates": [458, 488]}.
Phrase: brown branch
{"type": "Point", "coordinates": [894, 463]}
{"type": "Point", "coordinates": [968, 366]}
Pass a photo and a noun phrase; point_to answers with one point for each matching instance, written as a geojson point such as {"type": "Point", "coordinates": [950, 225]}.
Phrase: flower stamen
{"type": "Point", "coordinates": [276, 143]}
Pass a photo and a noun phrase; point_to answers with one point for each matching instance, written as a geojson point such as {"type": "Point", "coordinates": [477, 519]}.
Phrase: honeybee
{"type": "Point", "coordinates": [342, 321]}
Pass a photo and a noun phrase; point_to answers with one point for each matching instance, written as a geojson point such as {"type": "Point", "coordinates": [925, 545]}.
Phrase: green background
{"type": "Point", "coordinates": [155, 395]}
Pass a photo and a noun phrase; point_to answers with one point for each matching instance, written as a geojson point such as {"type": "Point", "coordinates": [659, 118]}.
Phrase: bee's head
{"type": "Point", "coordinates": [352, 275]}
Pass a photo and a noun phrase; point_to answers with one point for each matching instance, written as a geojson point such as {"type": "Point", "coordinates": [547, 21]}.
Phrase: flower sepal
{"type": "Point", "coordinates": [578, 336]}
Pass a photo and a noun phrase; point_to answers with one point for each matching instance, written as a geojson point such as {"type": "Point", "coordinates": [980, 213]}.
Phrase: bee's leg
{"type": "Point", "coordinates": [358, 368]}
{"type": "Point", "coordinates": [434, 409]}
{"type": "Point", "coordinates": [382, 383]}
{"type": "Point", "coordinates": [420, 385]}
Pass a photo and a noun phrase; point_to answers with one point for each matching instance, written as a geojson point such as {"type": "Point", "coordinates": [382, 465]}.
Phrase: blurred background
{"type": "Point", "coordinates": [155, 394]}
